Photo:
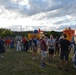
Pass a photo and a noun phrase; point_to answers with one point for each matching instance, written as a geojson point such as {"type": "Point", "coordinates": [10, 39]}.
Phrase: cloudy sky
{"type": "Point", "coordinates": [47, 15]}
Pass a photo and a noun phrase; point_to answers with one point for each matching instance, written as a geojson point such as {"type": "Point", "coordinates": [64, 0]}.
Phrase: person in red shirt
{"type": "Point", "coordinates": [24, 41]}
{"type": "Point", "coordinates": [8, 41]}
{"type": "Point", "coordinates": [43, 50]}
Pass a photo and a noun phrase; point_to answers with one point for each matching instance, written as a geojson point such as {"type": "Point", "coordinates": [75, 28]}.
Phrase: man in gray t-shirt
{"type": "Point", "coordinates": [51, 46]}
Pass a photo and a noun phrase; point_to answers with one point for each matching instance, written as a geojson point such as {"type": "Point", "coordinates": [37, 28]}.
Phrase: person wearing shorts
{"type": "Point", "coordinates": [43, 50]}
{"type": "Point", "coordinates": [51, 46]}
{"type": "Point", "coordinates": [44, 54]}
{"type": "Point", "coordinates": [64, 54]}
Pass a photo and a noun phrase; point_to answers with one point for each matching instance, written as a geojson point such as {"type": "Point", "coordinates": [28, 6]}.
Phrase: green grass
{"type": "Point", "coordinates": [21, 63]}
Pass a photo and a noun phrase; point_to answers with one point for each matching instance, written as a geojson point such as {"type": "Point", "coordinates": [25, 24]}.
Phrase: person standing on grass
{"type": "Point", "coordinates": [64, 54]}
{"type": "Point", "coordinates": [23, 43]}
{"type": "Point", "coordinates": [8, 41]}
{"type": "Point", "coordinates": [30, 44]}
{"type": "Point", "coordinates": [74, 43]}
{"type": "Point", "coordinates": [51, 47]}
{"type": "Point", "coordinates": [74, 60]}
{"type": "Point", "coordinates": [18, 45]}
{"type": "Point", "coordinates": [2, 50]}
{"type": "Point", "coordinates": [57, 46]}
{"type": "Point", "coordinates": [26, 44]}
{"type": "Point", "coordinates": [12, 44]}
{"type": "Point", "coordinates": [43, 50]}
{"type": "Point", "coordinates": [74, 48]}
{"type": "Point", "coordinates": [34, 45]}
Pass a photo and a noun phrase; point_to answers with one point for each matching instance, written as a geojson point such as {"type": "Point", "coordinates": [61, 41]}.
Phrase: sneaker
{"type": "Point", "coordinates": [42, 65]}
{"type": "Point", "coordinates": [66, 70]}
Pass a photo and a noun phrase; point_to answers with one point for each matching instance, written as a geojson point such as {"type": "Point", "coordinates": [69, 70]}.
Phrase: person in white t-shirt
{"type": "Point", "coordinates": [18, 45]}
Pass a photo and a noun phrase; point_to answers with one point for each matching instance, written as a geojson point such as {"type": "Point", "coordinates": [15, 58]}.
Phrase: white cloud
{"type": "Point", "coordinates": [33, 14]}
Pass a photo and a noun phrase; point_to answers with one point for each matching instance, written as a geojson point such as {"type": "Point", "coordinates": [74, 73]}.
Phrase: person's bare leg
{"type": "Point", "coordinates": [33, 54]}
{"type": "Point", "coordinates": [60, 64]}
{"type": "Point", "coordinates": [66, 65]}
{"type": "Point", "coordinates": [51, 57]}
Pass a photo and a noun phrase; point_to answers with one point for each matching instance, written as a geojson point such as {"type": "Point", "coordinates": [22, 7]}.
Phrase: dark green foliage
{"type": "Point", "coordinates": [6, 33]}
{"type": "Point", "coordinates": [54, 33]}
{"type": "Point", "coordinates": [9, 33]}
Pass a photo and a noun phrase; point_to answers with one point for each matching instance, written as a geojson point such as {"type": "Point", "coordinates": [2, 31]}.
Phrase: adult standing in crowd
{"type": "Point", "coordinates": [18, 45]}
{"type": "Point", "coordinates": [64, 54]}
{"type": "Point", "coordinates": [57, 46]}
{"type": "Point", "coordinates": [12, 44]}
{"type": "Point", "coordinates": [23, 42]}
{"type": "Point", "coordinates": [43, 50]}
{"type": "Point", "coordinates": [30, 43]}
{"type": "Point", "coordinates": [74, 43]}
{"type": "Point", "coordinates": [2, 50]}
{"type": "Point", "coordinates": [51, 47]}
{"type": "Point", "coordinates": [8, 41]}
{"type": "Point", "coordinates": [26, 44]}
{"type": "Point", "coordinates": [34, 45]}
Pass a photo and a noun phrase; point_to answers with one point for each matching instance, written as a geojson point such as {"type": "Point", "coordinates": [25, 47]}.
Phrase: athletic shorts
{"type": "Point", "coordinates": [64, 55]}
{"type": "Point", "coordinates": [51, 51]}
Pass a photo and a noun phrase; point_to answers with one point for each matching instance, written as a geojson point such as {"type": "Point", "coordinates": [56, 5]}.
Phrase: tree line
{"type": "Point", "coordinates": [9, 33]}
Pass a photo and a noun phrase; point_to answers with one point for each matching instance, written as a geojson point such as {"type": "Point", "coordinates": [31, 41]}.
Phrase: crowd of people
{"type": "Point", "coordinates": [47, 46]}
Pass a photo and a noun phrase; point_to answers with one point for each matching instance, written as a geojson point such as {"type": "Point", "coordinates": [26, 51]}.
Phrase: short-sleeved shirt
{"type": "Point", "coordinates": [23, 40]}
{"type": "Point", "coordinates": [64, 45]}
{"type": "Point", "coordinates": [51, 42]}
{"type": "Point", "coordinates": [43, 45]}
{"type": "Point", "coordinates": [34, 42]}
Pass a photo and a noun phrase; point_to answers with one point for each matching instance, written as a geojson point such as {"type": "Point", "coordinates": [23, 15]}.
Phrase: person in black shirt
{"type": "Point", "coordinates": [64, 54]}
{"type": "Point", "coordinates": [2, 50]}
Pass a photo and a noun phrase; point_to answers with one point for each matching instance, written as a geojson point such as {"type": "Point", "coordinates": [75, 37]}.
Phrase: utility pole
{"type": "Point", "coordinates": [20, 28]}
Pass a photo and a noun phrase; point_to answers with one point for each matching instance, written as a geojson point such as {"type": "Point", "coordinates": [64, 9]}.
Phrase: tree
{"type": "Point", "coordinates": [6, 32]}
{"type": "Point", "coordinates": [56, 34]}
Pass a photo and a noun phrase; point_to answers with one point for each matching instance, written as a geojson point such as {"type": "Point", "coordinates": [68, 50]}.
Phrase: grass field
{"type": "Point", "coordinates": [21, 63]}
